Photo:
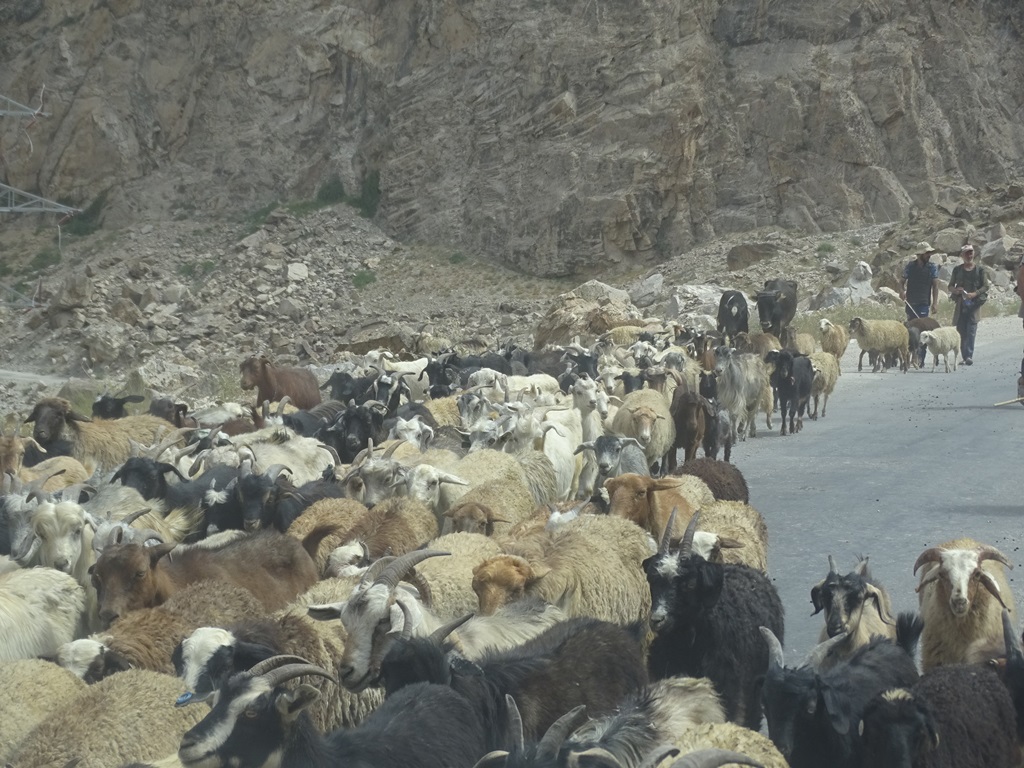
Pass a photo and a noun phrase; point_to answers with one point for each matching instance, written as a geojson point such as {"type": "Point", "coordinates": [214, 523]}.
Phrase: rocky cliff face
{"type": "Point", "coordinates": [554, 136]}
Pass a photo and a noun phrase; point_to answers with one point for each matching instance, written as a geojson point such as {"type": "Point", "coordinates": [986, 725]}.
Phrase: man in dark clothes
{"type": "Point", "coordinates": [919, 284]}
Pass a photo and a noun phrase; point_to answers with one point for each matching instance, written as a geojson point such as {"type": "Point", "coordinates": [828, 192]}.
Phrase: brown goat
{"type": "Point", "coordinates": [691, 413]}
{"type": "Point", "coordinates": [648, 502]}
{"type": "Point", "coordinates": [62, 471]}
{"type": "Point", "coordinates": [471, 517]}
{"type": "Point", "coordinates": [274, 567]}
{"type": "Point", "coordinates": [273, 383]}
{"type": "Point", "coordinates": [758, 343]}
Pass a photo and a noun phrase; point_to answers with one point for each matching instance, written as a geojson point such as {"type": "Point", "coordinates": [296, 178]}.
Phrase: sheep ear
{"type": "Point", "coordinates": [819, 606]}
{"type": "Point", "coordinates": [291, 703]}
{"type": "Point", "coordinates": [155, 553]}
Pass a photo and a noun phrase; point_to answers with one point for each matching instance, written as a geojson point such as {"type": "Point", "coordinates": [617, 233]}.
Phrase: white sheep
{"type": "Point", "coordinates": [962, 593]}
{"type": "Point", "coordinates": [645, 416]}
{"type": "Point", "coordinates": [942, 341]}
{"type": "Point", "coordinates": [834, 339]}
{"type": "Point", "coordinates": [882, 337]}
{"type": "Point", "coordinates": [40, 609]}
{"type": "Point", "coordinates": [826, 374]}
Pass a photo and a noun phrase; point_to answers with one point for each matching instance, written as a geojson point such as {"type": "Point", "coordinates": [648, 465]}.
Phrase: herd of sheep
{"type": "Point", "coordinates": [487, 561]}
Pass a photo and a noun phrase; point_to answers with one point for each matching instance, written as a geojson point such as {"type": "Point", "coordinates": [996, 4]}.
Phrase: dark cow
{"type": "Point", "coordinates": [733, 316]}
{"type": "Point", "coordinates": [776, 305]}
{"type": "Point", "coordinates": [792, 379]}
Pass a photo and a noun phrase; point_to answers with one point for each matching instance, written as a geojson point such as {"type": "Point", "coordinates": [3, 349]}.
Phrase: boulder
{"type": "Point", "coordinates": [587, 311]}
{"type": "Point", "coordinates": [859, 282]}
{"type": "Point", "coordinates": [297, 272]}
{"type": "Point", "coordinates": [647, 291]}
{"type": "Point", "coordinates": [75, 292]}
{"type": "Point", "coordinates": [831, 296]}
{"type": "Point", "coordinates": [949, 240]}
{"type": "Point", "coordinates": [742, 256]}
{"type": "Point", "coordinates": [997, 253]}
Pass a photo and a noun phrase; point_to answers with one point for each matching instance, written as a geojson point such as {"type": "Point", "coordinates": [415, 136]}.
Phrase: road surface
{"type": "Point", "coordinates": [902, 462]}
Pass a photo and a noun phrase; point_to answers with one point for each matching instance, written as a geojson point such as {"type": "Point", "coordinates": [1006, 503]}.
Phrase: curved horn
{"type": "Point", "coordinates": [281, 404]}
{"type": "Point", "coordinates": [658, 754]}
{"type": "Point", "coordinates": [876, 593]}
{"type": "Point", "coordinates": [1013, 648]}
{"type": "Point", "coordinates": [439, 634]}
{"type": "Point", "coordinates": [775, 655]}
{"type": "Point", "coordinates": [276, 469]}
{"type": "Point", "coordinates": [991, 553]}
{"type": "Point", "coordinates": [933, 575]}
{"type": "Point", "coordinates": [821, 650]}
{"type": "Point", "coordinates": [666, 536]}
{"type": "Point", "coordinates": [288, 672]}
{"type": "Point", "coordinates": [560, 730]}
{"type": "Point", "coordinates": [158, 450]}
{"type": "Point", "coordinates": [832, 565]}
{"type": "Point", "coordinates": [686, 546]}
{"type": "Point", "coordinates": [262, 667]}
{"type": "Point", "coordinates": [392, 448]}
{"type": "Point", "coordinates": [401, 565]}
{"type": "Point", "coordinates": [129, 519]}
{"type": "Point", "coordinates": [515, 723]}
{"type": "Point", "coordinates": [714, 758]}
{"type": "Point", "coordinates": [930, 555]}
{"type": "Point", "coordinates": [406, 632]}
{"type": "Point", "coordinates": [376, 569]}
{"type": "Point", "coordinates": [594, 757]}
{"type": "Point", "coordinates": [990, 584]}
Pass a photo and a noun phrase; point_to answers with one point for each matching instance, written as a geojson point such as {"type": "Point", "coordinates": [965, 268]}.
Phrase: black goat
{"type": "Point", "coordinates": [812, 716]}
{"type": "Point", "coordinates": [309, 423]}
{"type": "Point", "coordinates": [110, 407]}
{"type": "Point", "coordinates": [259, 721]}
{"type": "Point", "coordinates": [346, 387]}
{"type": "Point", "coordinates": [492, 360]}
{"type": "Point", "coordinates": [956, 716]}
{"type": "Point", "coordinates": [254, 501]}
{"type": "Point", "coordinates": [791, 379]}
{"type": "Point", "coordinates": [705, 618]}
{"type": "Point", "coordinates": [631, 382]}
{"type": "Point", "coordinates": [439, 372]}
{"type": "Point", "coordinates": [353, 430]}
{"type": "Point", "coordinates": [577, 661]}
{"type": "Point", "coordinates": [148, 477]}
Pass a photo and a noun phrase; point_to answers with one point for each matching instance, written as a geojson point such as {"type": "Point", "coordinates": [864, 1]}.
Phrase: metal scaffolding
{"type": "Point", "coordinates": [16, 201]}
{"type": "Point", "coordinates": [11, 108]}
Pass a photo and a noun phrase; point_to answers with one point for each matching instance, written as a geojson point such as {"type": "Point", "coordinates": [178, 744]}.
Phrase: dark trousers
{"type": "Point", "coordinates": [967, 325]}
{"type": "Point", "coordinates": [914, 311]}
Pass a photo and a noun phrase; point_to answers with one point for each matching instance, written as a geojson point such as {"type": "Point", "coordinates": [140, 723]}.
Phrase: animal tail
{"type": "Point", "coordinates": [908, 631]}
{"type": "Point", "coordinates": [311, 541]}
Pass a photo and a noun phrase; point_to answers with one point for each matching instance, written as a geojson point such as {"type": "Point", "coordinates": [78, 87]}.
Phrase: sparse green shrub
{"type": "Point", "coordinates": [363, 278]}
{"type": "Point", "coordinates": [45, 258]}
{"type": "Point", "coordinates": [88, 221]}
{"type": "Point", "coordinates": [257, 218]}
{"type": "Point", "coordinates": [856, 241]}
{"type": "Point", "coordinates": [457, 258]}
{"type": "Point", "coordinates": [826, 248]}
{"type": "Point", "coordinates": [369, 197]}
{"type": "Point", "coordinates": [197, 269]}
{"type": "Point", "coordinates": [331, 191]}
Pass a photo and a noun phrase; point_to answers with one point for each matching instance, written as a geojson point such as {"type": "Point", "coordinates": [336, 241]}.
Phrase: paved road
{"type": "Point", "coordinates": [901, 463]}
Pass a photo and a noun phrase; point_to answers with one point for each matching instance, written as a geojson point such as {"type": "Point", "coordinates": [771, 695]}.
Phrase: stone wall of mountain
{"type": "Point", "coordinates": [553, 135]}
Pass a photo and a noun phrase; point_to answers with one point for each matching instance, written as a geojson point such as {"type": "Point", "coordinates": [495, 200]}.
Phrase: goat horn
{"type": "Point", "coordinates": [875, 592]}
{"type": "Point", "coordinates": [1013, 648]}
{"type": "Point", "coordinates": [658, 754]}
{"type": "Point", "coordinates": [73, 492]}
{"type": "Point", "coordinates": [686, 546]}
{"type": "Point", "coordinates": [666, 536]}
{"type": "Point", "coordinates": [406, 620]}
{"type": "Point", "coordinates": [135, 449]}
{"type": "Point", "coordinates": [559, 731]}
{"type": "Point", "coordinates": [262, 667]}
{"type": "Point", "coordinates": [821, 650]}
{"type": "Point", "coordinates": [375, 569]}
{"type": "Point", "coordinates": [930, 555]}
{"type": "Point", "coordinates": [598, 757]}
{"type": "Point", "coordinates": [775, 655]}
{"type": "Point", "coordinates": [515, 722]}
{"type": "Point", "coordinates": [276, 469]}
{"type": "Point", "coordinates": [129, 519]}
{"type": "Point", "coordinates": [397, 569]}
{"type": "Point", "coordinates": [439, 634]}
{"type": "Point", "coordinates": [334, 454]}
{"type": "Point", "coordinates": [158, 450]}
{"type": "Point", "coordinates": [714, 758]}
{"type": "Point", "coordinates": [990, 584]}
{"type": "Point", "coordinates": [281, 404]}
{"type": "Point", "coordinates": [991, 553]}
{"type": "Point", "coordinates": [392, 448]}
{"type": "Point", "coordinates": [288, 672]}
{"type": "Point", "coordinates": [933, 575]}
{"type": "Point", "coordinates": [39, 482]}
{"type": "Point", "coordinates": [832, 565]}
{"type": "Point", "coordinates": [422, 586]}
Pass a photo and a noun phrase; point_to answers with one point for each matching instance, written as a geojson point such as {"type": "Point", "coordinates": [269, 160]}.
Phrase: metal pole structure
{"type": "Point", "coordinates": [16, 201]}
{"type": "Point", "coordinates": [11, 108]}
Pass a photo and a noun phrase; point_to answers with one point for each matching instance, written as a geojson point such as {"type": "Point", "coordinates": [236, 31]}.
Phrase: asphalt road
{"type": "Point", "coordinates": [902, 462]}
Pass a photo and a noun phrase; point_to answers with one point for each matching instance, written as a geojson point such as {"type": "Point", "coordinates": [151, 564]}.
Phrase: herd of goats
{"type": "Point", "coordinates": [475, 561]}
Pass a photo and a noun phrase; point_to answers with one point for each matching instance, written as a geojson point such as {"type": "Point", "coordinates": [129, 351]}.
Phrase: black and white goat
{"type": "Point", "coordinates": [705, 618]}
{"type": "Point", "coordinates": [257, 720]}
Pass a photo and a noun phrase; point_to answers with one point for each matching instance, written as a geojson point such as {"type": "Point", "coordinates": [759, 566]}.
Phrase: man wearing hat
{"type": "Point", "coordinates": [919, 284]}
